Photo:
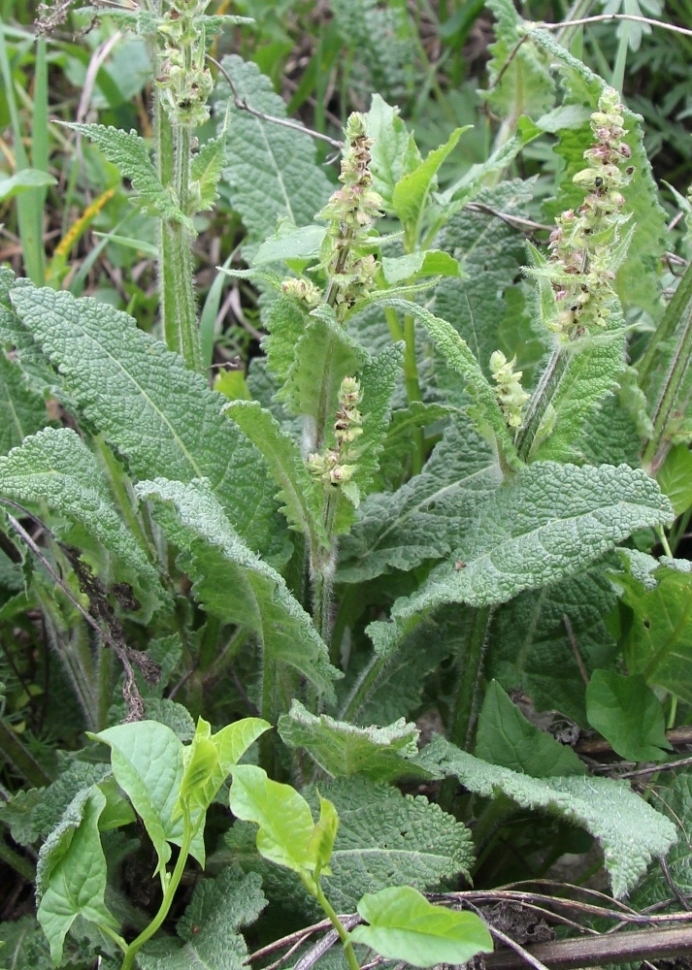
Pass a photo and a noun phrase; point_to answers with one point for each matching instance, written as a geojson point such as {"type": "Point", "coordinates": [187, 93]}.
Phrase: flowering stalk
{"type": "Point", "coordinates": [587, 247]}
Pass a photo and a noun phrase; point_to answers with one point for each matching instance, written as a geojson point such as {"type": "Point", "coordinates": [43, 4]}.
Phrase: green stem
{"type": "Point", "coordinates": [540, 400]}
{"type": "Point", "coordinates": [411, 381]}
{"type": "Point", "coordinates": [17, 862]}
{"type": "Point", "coordinates": [316, 890]}
{"type": "Point", "coordinates": [13, 751]}
{"type": "Point", "coordinates": [363, 685]}
{"type": "Point", "coordinates": [322, 568]}
{"type": "Point", "coordinates": [167, 900]}
{"type": "Point", "coordinates": [469, 675]}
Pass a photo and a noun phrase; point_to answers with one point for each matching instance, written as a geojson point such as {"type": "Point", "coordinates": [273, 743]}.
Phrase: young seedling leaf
{"type": "Point", "coordinates": [628, 715]}
{"type": "Point", "coordinates": [405, 926]}
{"type": "Point", "coordinates": [505, 737]}
{"type": "Point", "coordinates": [71, 874]}
{"type": "Point", "coordinates": [631, 833]}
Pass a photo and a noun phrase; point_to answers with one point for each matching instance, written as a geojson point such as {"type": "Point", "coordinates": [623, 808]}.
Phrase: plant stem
{"type": "Point", "coordinates": [540, 401]}
{"type": "Point", "coordinates": [411, 381]}
{"type": "Point", "coordinates": [17, 862]}
{"type": "Point", "coordinates": [316, 890]}
{"type": "Point", "coordinates": [170, 891]}
{"type": "Point", "coordinates": [13, 752]}
{"type": "Point", "coordinates": [469, 674]}
{"type": "Point", "coordinates": [322, 568]}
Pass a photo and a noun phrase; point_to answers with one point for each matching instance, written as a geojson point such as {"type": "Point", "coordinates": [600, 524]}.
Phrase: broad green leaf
{"type": "Point", "coordinates": [71, 874]}
{"type": "Point", "coordinates": [301, 495]}
{"type": "Point", "coordinates": [591, 376]}
{"type": "Point", "coordinates": [129, 152]}
{"type": "Point", "coordinates": [628, 715]}
{"type": "Point", "coordinates": [631, 833]}
{"type": "Point", "coordinates": [323, 356]}
{"type": "Point", "coordinates": [675, 478]}
{"type": "Point", "coordinates": [548, 523]}
{"type": "Point", "coordinates": [428, 262]}
{"type": "Point", "coordinates": [22, 410]}
{"type": "Point", "coordinates": [22, 181]}
{"type": "Point", "coordinates": [658, 644]}
{"type": "Point", "coordinates": [147, 760]}
{"type": "Point", "coordinates": [491, 255]}
{"type": "Point", "coordinates": [210, 926]}
{"type": "Point", "coordinates": [286, 320]}
{"type": "Point", "coordinates": [637, 280]}
{"type": "Point", "coordinates": [209, 759]}
{"type": "Point", "coordinates": [486, 414]}
{"type": "Point", "coordinates": [154, 411]}
{"type": "Point", "coordinates": [520, 82]}
{"type": "Point", "coordinates": [674, 798]}
{"type": "Point", "coordinates": [384, 839]}
{"type": "Point", "coordinates": [233, 583]}
{"type": "Point", "coordinates": [291, 243]}
{"type": "Point", "coordinates": [393, 151]}
{"type": "Point", "coordinates": [284, 818]}
{"type": "Point", "coordinates": [529, 646]}
{"type": "Point", "coordinates": [425, 517]}
{"type": "Point", "coordinates": [342, 749]}
{"type": "Point", "coordinates": [405, 926]}
{"type": "Point", "coordinates": [55, 467]}
{"type": "Point", "coordinates": [271, 171]}
{"type": "Point", "coordinates": [505, 737]}
{"type": "Point", "coordinates": [413, 189]}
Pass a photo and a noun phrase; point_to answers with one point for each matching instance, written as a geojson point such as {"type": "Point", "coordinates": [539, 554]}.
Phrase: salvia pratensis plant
{"type": "Point", "coordinates": [441, 485]}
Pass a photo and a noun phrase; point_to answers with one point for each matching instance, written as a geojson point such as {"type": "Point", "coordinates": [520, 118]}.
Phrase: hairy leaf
{"type": "Point", "coordinates": [393, 151]}
{"type": "Point", "coordinates": [271, 170]}
{"type": "Point", "coordinates": [150, 407]}
{"type": "Point", "coordinates": [71, 874]}
{"type": "Point", "coordinates": [413, 189]}
{"type": "Point", "coordinates": [405, 926]}
{"type": "Point", "coordinates": [342, 749]}
{"type": "Point", "coordinates": [129, 152]}
{"type": "Point", "coordinates": [505, 737]}
{"type": "Point", "coordinates": [54, 467]}
{"type": "Point", "coordinates": [427, 516]}
{"type": "Point", "coordinates": [628, 715]}
{"type": "Point", "coordinates": [631, 833]}
{"type": "Point", "coordinates": [234, 584]}
{"type": "Point", "coordinates": [302, 497]}
{"type": "Point", "coordinates": [205, 171]}
{"type": "Point", "coordinates": [520, 80]}
{"type": "Point", "coordinates": [22, 410]}
{"type": "Point", "coordinates": [210, 926]}
{"type": "Point", "coordinates": [674, 798]}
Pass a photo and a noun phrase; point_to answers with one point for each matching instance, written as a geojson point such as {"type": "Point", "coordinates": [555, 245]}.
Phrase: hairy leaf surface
{"type": "Point", "coordinates": [234, 584]}
{"type": "Point", "coordinates": [629, 830]}
{"type": "Point", "coordinates": [150, 407]}
{"type": "Point", "coordinates": [22, 410]}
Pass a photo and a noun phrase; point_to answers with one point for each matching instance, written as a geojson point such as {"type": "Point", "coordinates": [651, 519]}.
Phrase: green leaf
{"type": "Point", "coordinates": [676, 802]}
{"type": "Point", "coordinates": [271, 171]}
{"type": "Point", "coordinates": [71, 873]}
{"type": "Point", "coordinates": [291, 243]}
{"type": "Point", "coordinates": [530, 649]}
{"type": "Point", "coordinates": [322, 357]}
{"type": "Point", "coordinates": [147, 760]}
{"type": "Point", "coordinates": [487, 414]}
{"type": "Point", "coordinates": [628, 715]}
{"type": "Point", "coordinates": [393, 152]}
{"type": "Point", "coordinates": [520, 82]}
{"type": "Point", "coordinates": [631, 833]}
{"type": "Point", "coordinates": [425, 517]}
{"type": "Point", "coordinates": [675, 478]}
{"type": "Point", "coordinates": [412, 190]}
{"type": "Point", "coordinates": [55, 467]}
{"type": "Point", "coordinates": [324, 835]}
{"type": "Point", "coordinates": [22, 181]}
{"type": "Point", "coordinates": [384, 839]}
{"type": "Point", "coordinates": [210, 926]}
{"type": "Point", "coordinates": [286, 826]}
{"type": "Point", "coordinates": [405, 926]}
{"type": "Point", "coordinates": [658, 644]}
{"type": "Point", "coordinates": [205, 172]}
{"type": "Point", "coordinates": [234, 584]}
{"type": "Point", "coordinates": [210, 758]}
{"type": "Point", "coordinates": [342, 749]}
{"type": "Point", "coordinates": [548, 523]}
{"type": "Point", "coordinates": [301, 495]}
{"type": "Point", "coordinates": [428, 262]}
{"type": "Point", "coordinates": [505, 737]}
{"type": "Point", "coordinates": [22, 410]}
{"type": "Point", "coordinates": [129, 152]}
{"type": "Point", "coordinates": [158, 414]}
{"type": "Point", "coordinates": [286, 321]}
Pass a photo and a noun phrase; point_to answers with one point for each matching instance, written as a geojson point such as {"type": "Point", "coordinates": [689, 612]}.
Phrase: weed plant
{"type": "Point", "coordinates": [447, 482]}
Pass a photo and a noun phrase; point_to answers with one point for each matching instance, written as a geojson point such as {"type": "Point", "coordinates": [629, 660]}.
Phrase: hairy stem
{"type": "Point", "coordinates": [541, 399]}
{"type": "Point", "coordinates": [469, 675]}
